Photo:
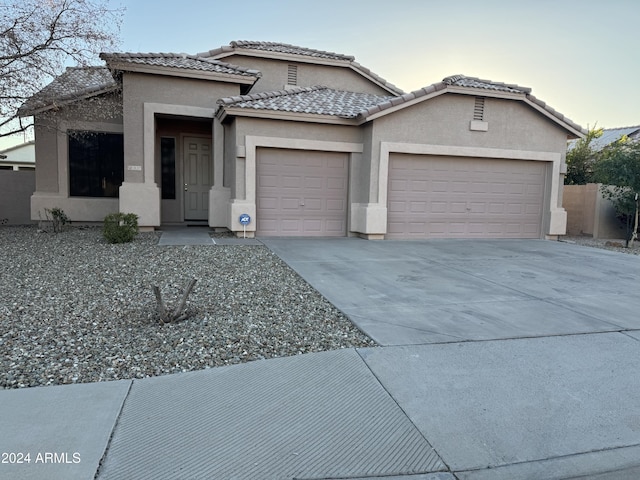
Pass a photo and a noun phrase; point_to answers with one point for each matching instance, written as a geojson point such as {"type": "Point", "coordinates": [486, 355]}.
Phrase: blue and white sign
{"type": "Point", "coordinates": [244, 219]}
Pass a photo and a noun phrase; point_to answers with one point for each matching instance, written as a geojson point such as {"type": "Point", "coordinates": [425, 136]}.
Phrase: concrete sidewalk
{"type": "Point", "coordinates": [502, 360]}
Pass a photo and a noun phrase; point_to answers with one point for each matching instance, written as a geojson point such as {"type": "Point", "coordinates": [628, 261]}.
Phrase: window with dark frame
{"type": "Point", "coordinates": [96, 163]}
{"type": "Point", "coordinates": [168, 167]}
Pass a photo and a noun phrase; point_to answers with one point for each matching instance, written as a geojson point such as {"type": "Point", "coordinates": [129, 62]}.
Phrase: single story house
{"type": "Point", "coordinates": [18, 157]}
{"type": "Point", "coordinates": [304, 142]}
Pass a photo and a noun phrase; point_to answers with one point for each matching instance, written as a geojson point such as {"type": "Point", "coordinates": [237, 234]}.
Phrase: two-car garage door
{"type": "Point", "coordinates": [458, 197]}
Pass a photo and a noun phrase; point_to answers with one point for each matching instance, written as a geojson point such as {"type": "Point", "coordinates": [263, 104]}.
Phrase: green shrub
{"type": "Point", "coordinates": [56, 217]}
{"type": "Point", "coordinates": [120, 227]}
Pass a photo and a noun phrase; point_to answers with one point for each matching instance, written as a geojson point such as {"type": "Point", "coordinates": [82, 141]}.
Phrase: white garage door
{"type": "Point", "coordinates": [457, 197]}
{"type": "Point", "coordinates": [301, 193]}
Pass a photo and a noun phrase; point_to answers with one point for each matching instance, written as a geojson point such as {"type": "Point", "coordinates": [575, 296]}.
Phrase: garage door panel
{"type": "Point", "coordinates": [336, 205]}
{"type": "Point", "coordinates": [464, 197]}
{"type": "Point", "coordinates": [310, 191]}
{"type": "Point", "coordinates": [287, 204]}
{"type": "Point", "coordinates": [313, 205]}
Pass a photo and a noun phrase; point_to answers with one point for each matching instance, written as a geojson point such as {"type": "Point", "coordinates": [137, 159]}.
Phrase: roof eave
{"type": "Point", "coordinates": [65, 101]}
{"type": "Point", "coordinates": [289, 57]}
{"type": "Point", "coordinates": [183, 72]}
{"type": "Point", "coordinates": [226, 111]}
{"type": "Point", "coordinates": [392, 89]}
{"type": "Point", "coordinates": [574, 129]}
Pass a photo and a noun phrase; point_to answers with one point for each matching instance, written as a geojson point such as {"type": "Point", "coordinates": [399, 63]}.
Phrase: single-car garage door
{"type": "Point", "coordinates": [459, 197]}
{"type": "Point", "coordinates": [301, 193]}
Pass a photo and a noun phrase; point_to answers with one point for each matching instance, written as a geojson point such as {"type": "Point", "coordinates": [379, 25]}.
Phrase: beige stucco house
{"type": "Point", "coordinates": [305, 142]}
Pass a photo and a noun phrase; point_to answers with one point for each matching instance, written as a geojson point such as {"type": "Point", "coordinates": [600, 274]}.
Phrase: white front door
{"type": "Point", "coordinates": [196, 155]}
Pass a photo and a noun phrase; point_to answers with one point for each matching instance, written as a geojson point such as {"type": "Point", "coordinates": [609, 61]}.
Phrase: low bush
{"type": "Point", "coordinates": [55, 218]}
{"type": "Point", "coordinates": [120, 227]}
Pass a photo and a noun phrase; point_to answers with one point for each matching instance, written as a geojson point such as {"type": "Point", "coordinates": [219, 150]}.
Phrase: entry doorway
{"type": "Point", "coordinates": [197, 177]}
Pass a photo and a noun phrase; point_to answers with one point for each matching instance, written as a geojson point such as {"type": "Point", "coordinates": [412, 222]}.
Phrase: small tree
{"type": "Point", "coordinates": [619, 171]}
{"type": "Point", "coordinates": [581, 160]}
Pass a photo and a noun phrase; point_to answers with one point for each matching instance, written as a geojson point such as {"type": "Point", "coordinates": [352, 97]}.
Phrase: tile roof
{"type": "Point", "coordinates": [285, 48]}
{"type": "Point", "coordinates": [278, 48]}
{"type": "Point", "coordinates": [474, 83]}
{"type": "Point", "coordinates": [74, 83]}
{"type": "Point", "coordinates": [178, 60]}
{"type": "Point", "coordinates": [316, 100]}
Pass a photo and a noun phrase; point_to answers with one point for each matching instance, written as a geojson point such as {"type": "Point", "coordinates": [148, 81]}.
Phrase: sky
{"type": "Point", "coordinates": [581, 57]}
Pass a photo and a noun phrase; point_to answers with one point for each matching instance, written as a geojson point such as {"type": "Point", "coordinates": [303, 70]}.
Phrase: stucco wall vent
{"type": "Point", "coordinates": [478, 124]}
{"type": "Point", "coordinates": [292, 75]}
{"type": "Point", "coordinates": [478, 109]}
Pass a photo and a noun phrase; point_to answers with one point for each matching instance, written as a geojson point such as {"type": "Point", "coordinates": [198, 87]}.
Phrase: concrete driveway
{"type": "Point", "coordinates": [403, 293]}
{"type": "Point", "coordinates": [514, 358]}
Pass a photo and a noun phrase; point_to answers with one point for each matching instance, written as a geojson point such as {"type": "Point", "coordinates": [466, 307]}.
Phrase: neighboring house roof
{"type": "Point", "coordinates": [365, 107]}
{"type": "Point", "coordinates": [316, 100]}
{"type": "Point", "coordinates": [180, 61]}
{"type": "Point", "coordinates": [74, 84]}
{"type": "Point", "coordinates": [23, 154]}
{"type": "Point", "coordinates": [285, 51]}
{"type": "Point", "coordinates": [610, 135]}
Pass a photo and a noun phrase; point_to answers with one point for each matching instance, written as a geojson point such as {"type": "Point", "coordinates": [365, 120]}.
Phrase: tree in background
{"type": "Point", "coordinates": [39, 38]}
{"type": "Point", "coordinates": [581, 160]}
{"type": "Point", "coordinates": [618, 170]}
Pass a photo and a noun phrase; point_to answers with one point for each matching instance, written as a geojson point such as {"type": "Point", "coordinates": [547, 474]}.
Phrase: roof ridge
{"type": "Point", "coordinates": [451, 80]}
{"type": "Point", "coordinates": [246, 44]}
{"type": "Point", "coordinates": [622, 128]}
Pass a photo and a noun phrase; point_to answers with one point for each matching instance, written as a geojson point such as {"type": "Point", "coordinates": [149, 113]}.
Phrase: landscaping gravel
{"type": "Point", "coordinates": [75, 309]}
{"type": "Point", "coordinates": [615, 245]}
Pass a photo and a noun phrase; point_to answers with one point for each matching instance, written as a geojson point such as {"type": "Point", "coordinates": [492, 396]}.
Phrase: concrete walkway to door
{"type": "Point", "coordinates": [514, 358]}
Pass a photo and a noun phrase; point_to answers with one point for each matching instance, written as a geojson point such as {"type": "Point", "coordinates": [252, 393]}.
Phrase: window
{"type": "Point", "coordinates": [168, 166]}
{"type": "Point", "coordinates": [96, 163]}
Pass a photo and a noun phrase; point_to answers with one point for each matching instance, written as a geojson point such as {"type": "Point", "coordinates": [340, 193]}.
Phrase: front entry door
{"type": "Point", "coordinates": [197, 177]}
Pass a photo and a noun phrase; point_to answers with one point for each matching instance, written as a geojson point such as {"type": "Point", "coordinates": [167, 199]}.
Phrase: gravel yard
{"type": "Point", "coordinates": [75, 309]}
{"type": "Point", "coordinates": [615, 245]}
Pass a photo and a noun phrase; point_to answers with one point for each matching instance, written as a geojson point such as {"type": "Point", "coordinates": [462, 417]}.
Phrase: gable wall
{"type": "Point", "coordinates": [274, 75]}
{"type": "Point", "coordinates": [444, 120]}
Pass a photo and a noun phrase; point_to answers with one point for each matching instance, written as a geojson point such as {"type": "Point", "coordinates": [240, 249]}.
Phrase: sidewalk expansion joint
{"type": "Point", "coordinates": [113, 431]}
